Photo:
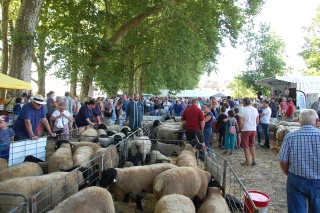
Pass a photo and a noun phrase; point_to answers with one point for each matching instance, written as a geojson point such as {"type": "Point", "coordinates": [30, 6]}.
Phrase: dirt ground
{"type": "Point", "coordinates": [266, 176]}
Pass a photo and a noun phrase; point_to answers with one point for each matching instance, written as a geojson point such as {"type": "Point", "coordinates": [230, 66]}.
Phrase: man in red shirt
{"type": "Point", "coordinates": [290, 109]}
{"type": "Point", "coordinates": [193, 119]}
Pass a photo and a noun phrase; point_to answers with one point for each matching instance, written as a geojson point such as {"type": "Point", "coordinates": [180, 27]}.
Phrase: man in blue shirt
{"type": "Point", "coordinates": [28, 120]}
{"type": "Point", "coordinates": [135, 112]}
{"type": "Point", "coordinates": [300, 161]}
{"type": "Point", "coordinates": [125, 102]}
{"type": "Point", "coordinates": [177, 109]}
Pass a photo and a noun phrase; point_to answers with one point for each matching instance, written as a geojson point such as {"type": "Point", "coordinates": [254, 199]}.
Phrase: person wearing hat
{"type": "Point", "coordinates": [61, 119]}
{"type": "Point", "coordinates": [30, 116]}
{"type": "Point", "coordinates": [6, 136]}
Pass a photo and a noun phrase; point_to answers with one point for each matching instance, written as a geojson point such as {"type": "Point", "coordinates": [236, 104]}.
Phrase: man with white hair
{"type": "Point", "coordinates": [300, 161]}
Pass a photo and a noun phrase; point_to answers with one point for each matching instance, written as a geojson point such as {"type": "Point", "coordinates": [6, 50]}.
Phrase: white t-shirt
{"type": "Point", "coordinates": [249, 114]}
{"type": "Point", "coordinates": [267, 114]}
{"type": "Point", "coordinates": [166, 105]}
{"type": "Point", "coordinates": [59, 122]}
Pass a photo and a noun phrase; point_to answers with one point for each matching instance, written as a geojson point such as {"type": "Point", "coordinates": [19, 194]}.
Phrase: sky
{"type": "Point", "coordinates": [286, 18]}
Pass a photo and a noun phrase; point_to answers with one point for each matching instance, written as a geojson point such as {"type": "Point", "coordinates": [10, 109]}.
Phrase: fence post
{"type": "Point", "coordinates": [100, 162]}
{"type": "Point", "coordinates": [224, 178]}
{"type": "Point", "coordinates": [33, 201]}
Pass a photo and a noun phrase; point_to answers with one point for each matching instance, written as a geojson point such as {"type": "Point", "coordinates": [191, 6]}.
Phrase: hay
{"type": "Point", "coordinates": [148, 204]}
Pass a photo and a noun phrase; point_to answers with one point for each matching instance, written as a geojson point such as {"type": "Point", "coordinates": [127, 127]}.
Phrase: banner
{"type": "Point", "coordinates": [301, 101]}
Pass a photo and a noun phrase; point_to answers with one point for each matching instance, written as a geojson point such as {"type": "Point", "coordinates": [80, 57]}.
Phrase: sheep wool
{"type": "Point", "coordinates": [174, 203]}
{"type": "Point", "coordinates": [21, 170]}
{"type": "Point", "coordinates": [156, 157]}
{"type": "Point", "coordinates": [110, 156]}
{"type": "Point", "coordinates": [166, 149]}
{"type": "Point", "coordinates": [116, 128]}
{"type": "Point", "coordinates": [82, 155]}
{"type": "Point", "coordinates": [143, 145]}
{"type": "Point", "coordinates": [212, 165]}
{"type": "Point", "coordinates": [61, 159]}
{"type": "Point", "coordinates": [3, 163]}
{"type": "Point", "coordinates": [187, 181]}
{"type": "Point", "coordinates": [187, 157]}
{"type": "Point", "coordinates": [88, 135]}
{"type": "Point", "coordinates": [92, 199]}
{"type": "Point", "coordinates": [51, 197]}
{"type": "Point", "coordinates": [94, 146]}
{"type": "Point", "coordinates": [214, 202]}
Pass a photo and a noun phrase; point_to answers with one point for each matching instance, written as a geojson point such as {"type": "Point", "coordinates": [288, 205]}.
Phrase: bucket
{"type": "Point", "coordinates": [260, 200]}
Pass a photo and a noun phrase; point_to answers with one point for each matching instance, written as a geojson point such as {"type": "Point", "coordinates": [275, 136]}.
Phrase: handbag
{"type": "Point", "coordinates": [232, 129]}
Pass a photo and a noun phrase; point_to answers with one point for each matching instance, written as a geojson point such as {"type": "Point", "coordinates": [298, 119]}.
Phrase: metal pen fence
{"type": "Point", "coordinates": [13, 203]}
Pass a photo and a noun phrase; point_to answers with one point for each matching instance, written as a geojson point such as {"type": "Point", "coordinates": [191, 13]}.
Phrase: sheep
{"type": "Point", "coordinates": [21, 170]}
{"type": "Point", "coordinates": [29, 186]}
{"type": "Point", "coordinates": [214, 202]}
{"type": "Point", "coordinates": [110, 156]}
{"type": "Point", "coordinates": [132, 179]}
{"type": "Point", "coordinates": [170, 133]}
{"type": "Point", "coordinates": [86, 200]}
{"type": "Point", "coordinates": [116, 128]}
{"type": "Point", "coordinates": [88, 135]}
{"type": "Point", "coordinates": [156, 157]}
{"type": "Point", "coordinates": [101, 132]}
{"type": "Point", "coordinates": [61, 159]}
{"type": "Point", "coordinates": [41, 163]}
{"type": "Point", "coordinates": [174, 203]}
{"type": "Point", "coordinates": [143, 145]}
{"type": "Point", "coordinates": [187, 157]}
{"type": "Point", "coordinates": [82, 155]}
{"type": "Point", "coordinates": [212, 165]}
{"type": "Point", "coordinates": [191, 182]}
{"type": "Point", "coordinates": [94, 146]}
{"type": "Point", "coordinates": [167, 149]}
{"type": "Point", "coordinates": [107, 139]}
{"type": "Point", "coordinates": [3, 163]}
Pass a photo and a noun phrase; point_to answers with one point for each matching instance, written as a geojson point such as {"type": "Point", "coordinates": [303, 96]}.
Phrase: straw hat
{"type": "Point", "coordinates": [39, 99]}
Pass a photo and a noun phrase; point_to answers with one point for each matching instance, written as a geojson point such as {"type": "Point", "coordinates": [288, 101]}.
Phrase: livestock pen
{"type": "Point", "coordinates": [50, 196]}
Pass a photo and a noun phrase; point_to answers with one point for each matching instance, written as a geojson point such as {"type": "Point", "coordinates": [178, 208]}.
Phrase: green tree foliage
{"type": "Point", "coordinates": [265, 57]}
{"type": "Point", "coordinates": [240, 90]}
{"type": "Point", "coordinates": [311, 51]}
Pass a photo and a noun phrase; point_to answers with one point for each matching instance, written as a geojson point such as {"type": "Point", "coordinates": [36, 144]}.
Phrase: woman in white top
{"type": "Point", "coordinates": [61, 117]}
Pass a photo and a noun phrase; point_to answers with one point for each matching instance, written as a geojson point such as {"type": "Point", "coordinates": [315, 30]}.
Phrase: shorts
{"type": "Point", "coordinates": [283, 111]}
{"type": "Point", "coordinates": [248, 138]}
{"type": "Point", "coordinates": [190, 134]}
{"type": "Point", "coordinates": [147, 109]}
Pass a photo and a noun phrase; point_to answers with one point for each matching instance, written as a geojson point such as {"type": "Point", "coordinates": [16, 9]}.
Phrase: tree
{"type": "Point", "coordinates": [240, 90]}
{"type": "Point", "coordinates": [265, 57]}
{"type": "Point", "coordinates": [311, 51]}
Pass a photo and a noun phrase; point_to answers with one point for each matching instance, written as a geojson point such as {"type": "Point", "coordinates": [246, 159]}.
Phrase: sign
{"type": "Point", "coordinates": [20, 149]}
{"type": "Point", "coordinates": [301, 101]}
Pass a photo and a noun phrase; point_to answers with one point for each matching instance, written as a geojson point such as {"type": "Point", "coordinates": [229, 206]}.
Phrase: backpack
{"type": "Point", "coordinates": [232, 129]}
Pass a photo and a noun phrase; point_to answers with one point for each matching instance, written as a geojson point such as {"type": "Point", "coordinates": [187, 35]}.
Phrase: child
{"type": "Point", "coordinates": [230, 139]}
{"type": "Point", "coordinates": [236, 110]}
{"type": "Point", "coordinates": [17, 108]}
{"type": "Point", "coordinates": [283, 106]}
{"type": "Point", "coordinates": [221, 126]}
{"type": "Point", "coordinates": [6, 136]}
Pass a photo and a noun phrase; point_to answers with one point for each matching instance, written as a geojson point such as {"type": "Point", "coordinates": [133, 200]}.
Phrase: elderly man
{"type": "Point", "coordinates": [135, 112]}
{"type": "Point", "coordinates": [193, 119]}
{"type": "Point", "coordinates": [300, 161]}
{"type": "Point", "coordinates": [248, 121]}
{"type": "Point", "coordinates": [30, 116]}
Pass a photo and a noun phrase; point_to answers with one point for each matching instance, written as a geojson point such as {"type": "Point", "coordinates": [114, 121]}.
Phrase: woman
{"type": "Point", "coordinates": [230, 139]}
{"type": "Point", "coordinates": [109, 112]}
{"type": "Point", "coordinates": [86, 115]}
{"type": "Point", "coordinates": [120, 115]}
{"type": "Point", "coordinates": [61, 119]}
{"type": "Point", "coordinates": [56, 103]}
{"type": "Point", "coordinates": [290, 109]}
{"type": "Point", "coordinates": [208, 117]}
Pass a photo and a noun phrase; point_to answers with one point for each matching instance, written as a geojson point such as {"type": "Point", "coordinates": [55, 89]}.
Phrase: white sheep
{"type": "Point", "coordinates": [101, 132]}
{"type": "Point", "coordinates": [188, 181]}
{"type": "Point", "coordinates": [143, 145]}
{"type": "Point", "coordinates": [88, 135]}
{"type": "Point", "coordinates": [156, 157]}
{"type": "Point", "coordinates": [82, 155]}
{"type": "Point", "coordinates": [132, 179]}
{"type": "Point", "coordinates": [29, 186]}
{"type": "Point", "coordinates": [167, 149]}
{"type": "Point", "coordinates": [94, 146]}
{"type": "Point", "coordinates": [3, 163]}
{"type": "Point", "coordinates": [107, 139]}
{"type": "Point", "coordinates": [61, 159]}
{"type": "Point", "coordinates": [92, 199]}
{"type": "Point", "coordinates": [214, 202]}
{"type": "Point", "coordinates": [174, 203]}
{"type": "Point", "coordinates": [187, 157]}
{"type": "Point", "coordinates": [116, 128]}
{"type": "Point", "coordinates": [21, 170]}
{"type": "Point", "coordinates": [110, 156]}
{"type": "Point", "coordinates": [170, 133]}
{"type": "Point", "coordinates": [212, 165]}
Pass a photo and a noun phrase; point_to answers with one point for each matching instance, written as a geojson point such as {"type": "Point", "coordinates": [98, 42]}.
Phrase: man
{"type": "Point", "coordinates": [248, 121]}
{"type": "Point", "coordinates": [9, 102]}
{"type": "Point", "coordinates": [275, 108]}
{"type": "Point", "coordinates": [30, 116]}
{"type": "Point", "coordinates": [300, 161]}
{"type": "Point", "coordinates": [177, 108]}
{"type": "Point", "coordinates": [315, 106]}
{"type": "Point", "coordinates": [50, 104]}
{"type": "Point", "coordinates": [135, 112]}
{"type": "Point", "coordinates": [70, 103]}
{"type": "Point", "coordinates": [265, 122]}
{"type": "Point", "coordinates": [230, 102]}
{"type": "Point", "coordinates": [76, 106]}
{"type": "Point", "coordinates": [125, 102]}
{"type": "Point", "coordinates": [193, 119]}
{"type": "Point", "coordinates": [166, 106]}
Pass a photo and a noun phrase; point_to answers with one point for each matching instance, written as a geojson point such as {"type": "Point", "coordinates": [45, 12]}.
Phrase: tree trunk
{"type": "Point", "coordinates": [23, 40]}
{"type": "Point", "coordinates": [86, 82]}
{"type": "Point", "coordinates": [5, 45]}
{"type": "Point", "coordinates": [73, 82]}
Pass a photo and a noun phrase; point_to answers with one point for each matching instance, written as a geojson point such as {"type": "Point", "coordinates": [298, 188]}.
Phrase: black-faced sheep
{"type": "Point", "coordinates": [21, 170]}
{"type": "Point", "coordinates": [61, 159]}
{"type": "Point", "coordinates": [88, 135]}
{"type": "Point", "coordinates": [132, 179]}
{"type": "Point", "coordinates": [167, 149]}
{"type": "Point", "coordinates": [92, 199]}
{"type": "Point", "coordinates": [187, 157]}
{"type": "Point", "coordinates": [214, 202]}
{"type": "Point", "coordinates": [188, 181]}
{"type": "Point", "coordinates": [157, 157]}
{"type": "Point", "coordinates": [3, 163]}
{"type": "Point", "coordinates": [142, 145]}
{"type": "Point", "coordinates": [174, 203]}
{"type": "Point", "coordinates": [110, 156]}
{"type": "Point", "coordinates": [170, 133]}
{"type": "Point", "coordinates": [116, 128]}
{"type": "Point", "coordinates": [30, 186]}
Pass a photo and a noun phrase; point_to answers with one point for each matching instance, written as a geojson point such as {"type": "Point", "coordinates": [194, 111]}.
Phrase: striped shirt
{"type": "Point", "coordinates": [301, 149]}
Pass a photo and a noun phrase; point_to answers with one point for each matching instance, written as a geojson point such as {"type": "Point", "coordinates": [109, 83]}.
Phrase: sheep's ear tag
{"type": "Point", "coordinates": [114, 180]}
{"type": "Point", "coordinates": [87, 182]}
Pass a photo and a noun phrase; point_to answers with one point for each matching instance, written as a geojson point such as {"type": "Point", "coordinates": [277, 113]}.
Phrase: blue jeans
{"type": "Point", "coordinates": [265, 129]}
{"type": "Point", "coordinates": [177, 114]}
{"type": "Point", "coordinates": [274, 115]}
{"type": "Point", "coordinates": [206, 135]}
{"type": "Point", "coordinates": [259, 133]}
{"type": "Point", "coordinates": [298, 190]}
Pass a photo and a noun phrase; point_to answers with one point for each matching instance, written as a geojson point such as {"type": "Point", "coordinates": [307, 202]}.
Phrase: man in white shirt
{"type": "Point", "coordinates": [265, 122]}
{"type": "Point", "coordinates": [166, 106]}
{"type": "Point", "coordinates": [248, 121]}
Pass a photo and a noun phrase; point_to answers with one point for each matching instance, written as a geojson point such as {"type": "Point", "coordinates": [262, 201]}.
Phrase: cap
{"type": "Point", "coordinates": [4, 118]}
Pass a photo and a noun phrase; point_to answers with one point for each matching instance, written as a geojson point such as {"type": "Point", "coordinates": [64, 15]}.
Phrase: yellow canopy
{"type": "Point", "coordinates": [7, 82]}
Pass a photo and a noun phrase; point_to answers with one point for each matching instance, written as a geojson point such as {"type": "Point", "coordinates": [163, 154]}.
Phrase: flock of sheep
{"type": "Point", "coordinates": [77, 168]}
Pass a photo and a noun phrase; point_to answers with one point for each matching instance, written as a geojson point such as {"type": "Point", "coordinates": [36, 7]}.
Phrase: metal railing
{"type": "Point", "coordinates": [13, 203]}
